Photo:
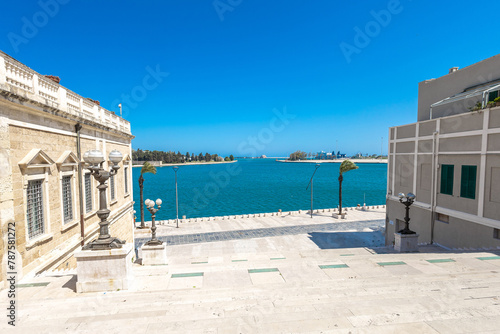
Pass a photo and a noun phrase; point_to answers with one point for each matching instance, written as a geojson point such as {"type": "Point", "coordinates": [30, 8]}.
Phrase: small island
{"type": "Point", "coordinates": [170, 158]}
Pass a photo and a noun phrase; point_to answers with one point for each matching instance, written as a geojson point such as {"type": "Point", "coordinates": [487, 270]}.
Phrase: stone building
{"type": "Point", "coordinates": [44, 130]}
{"type": "Point", "coordinates": [450, 159]}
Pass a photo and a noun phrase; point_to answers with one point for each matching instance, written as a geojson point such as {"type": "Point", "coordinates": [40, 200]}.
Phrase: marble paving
{"type": "Point", "coordinates": [290, 277]}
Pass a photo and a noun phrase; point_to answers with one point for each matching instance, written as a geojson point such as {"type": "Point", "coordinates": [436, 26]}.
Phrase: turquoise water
{"type": "Point", "coordinates": [257, 185]}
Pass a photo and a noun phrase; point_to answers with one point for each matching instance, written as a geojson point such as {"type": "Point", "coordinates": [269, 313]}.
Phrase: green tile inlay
{"type": "Point", "coordinates": [485, 258]}
{"type": "Point", "coordinates": [187, 275]}
{"type": "Point", "coordinates": [199, 262]}
{"type": "Point", "coordinates": [31, 285]}
{"type": "Point", "coordinates": [239, 260]}
{"type": "Point", "coordinates": [278, 258]}
{"type": "Point", "coordinates": [264, 270]}
{"type": "Point", "coordinates": [397, 263]}
{"type": "Point", "coordinates": [333, 266]}
{"type": "Point", "coordinates": [440, 260]}
{"type": "Point", "coordinates": [346, 254]}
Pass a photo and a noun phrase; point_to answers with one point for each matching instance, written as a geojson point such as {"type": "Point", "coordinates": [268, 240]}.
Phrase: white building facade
{"type": "Point", "coordinates": [450, 159]}
{"type": "Point", "coordinates": [45, 191]}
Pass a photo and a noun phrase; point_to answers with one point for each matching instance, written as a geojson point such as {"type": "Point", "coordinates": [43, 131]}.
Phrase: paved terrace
{"type": "Point", "coordinates": [282, 276]}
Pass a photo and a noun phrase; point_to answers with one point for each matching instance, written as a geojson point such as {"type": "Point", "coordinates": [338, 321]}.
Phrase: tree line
{"type": "Point", "coordinates": [298, 155]}
{"type": "Point", "coordinates": [172, 157]}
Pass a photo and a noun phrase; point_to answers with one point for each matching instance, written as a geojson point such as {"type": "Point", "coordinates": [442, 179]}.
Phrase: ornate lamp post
{"type": "Point", "coordinates": [407, 201]}
{"type": "Point", "coordinates": [150, 205]}
{"type": "Point", "coordinates": [95, 158]}
{"type": "Point", "coordinates": [311, 183]}
{"type": "Point", "coordinates": [175, 168]}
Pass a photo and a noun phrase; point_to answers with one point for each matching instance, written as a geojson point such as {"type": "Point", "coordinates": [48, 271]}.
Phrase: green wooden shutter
{"type": "Point", "coordinates": [493, 95]}
{"type": "Point", "coordinates": [468, 182]}
{"type": "Point", "coordinates": [447, 174]}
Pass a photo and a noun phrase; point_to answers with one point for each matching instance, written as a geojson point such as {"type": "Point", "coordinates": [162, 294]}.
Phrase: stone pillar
{"type": "Point", "coordinates": [405, 243]}
{"type": "Point", "coordinates": [104, 270]}
{"type": "Point", "coordinates": [154, 255]}
{"type": "Point", "coordinates": [6, 197]}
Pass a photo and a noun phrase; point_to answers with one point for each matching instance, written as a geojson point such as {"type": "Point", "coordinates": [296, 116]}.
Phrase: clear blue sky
{"type": "Point", "coordinates": [231, 66]}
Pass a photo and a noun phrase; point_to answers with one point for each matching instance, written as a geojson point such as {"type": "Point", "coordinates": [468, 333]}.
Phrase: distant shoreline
{"type": "Point", "coordinates": [357, 161]}
{"type": "Point", "coordinates": [193, 163]}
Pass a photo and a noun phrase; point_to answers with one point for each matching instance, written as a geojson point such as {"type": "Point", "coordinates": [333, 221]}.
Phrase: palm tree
{"type": "Point", "coordinates": [146, 168]}
{"type": "Point", "coordinates": [345, 166]}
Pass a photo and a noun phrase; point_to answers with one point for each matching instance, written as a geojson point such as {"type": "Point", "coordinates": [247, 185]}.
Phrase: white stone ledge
{"type": "Point", "coordinates": [66, 227]}
{"type": "Point", "coordinates": [39, 240]}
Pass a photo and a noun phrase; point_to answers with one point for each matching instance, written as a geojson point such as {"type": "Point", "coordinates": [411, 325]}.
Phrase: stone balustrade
{"type": "Point", "coordinates": [19, 79]}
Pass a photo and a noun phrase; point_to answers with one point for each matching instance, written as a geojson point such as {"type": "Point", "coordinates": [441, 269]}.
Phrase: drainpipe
{"type": "Point", "coordinates": [78, 127]}
{"type": "Point", "coordinates": [434, 184]}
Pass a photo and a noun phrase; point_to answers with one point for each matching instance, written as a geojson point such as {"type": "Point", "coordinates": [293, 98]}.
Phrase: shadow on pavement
{"type": "Point", "coordinates": [332, 240]}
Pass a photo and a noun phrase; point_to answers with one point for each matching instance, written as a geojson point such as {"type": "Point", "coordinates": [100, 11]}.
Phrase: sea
{"type": "Point", "coordinates": [257, 186]}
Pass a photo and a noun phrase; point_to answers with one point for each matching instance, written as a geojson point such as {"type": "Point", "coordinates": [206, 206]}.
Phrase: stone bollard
{"type": "Point", "coordinates": [300, 211]}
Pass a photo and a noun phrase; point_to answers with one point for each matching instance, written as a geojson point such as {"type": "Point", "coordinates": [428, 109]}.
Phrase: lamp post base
{"type": "Point", "coordinates": [106, 270]}
{"type": "Point", "coordinates": [103, 244]}
{"type": "Point", "coordinates": [153, 254]}
{"type": "Point", "coordinates": [155, 242]}
{"type": "Point", "coordinates": [405, 243]}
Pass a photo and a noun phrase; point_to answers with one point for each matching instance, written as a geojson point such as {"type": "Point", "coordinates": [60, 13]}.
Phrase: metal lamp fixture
{"type": "Point", "coordinates": [175, 168]}
{"type": "Point", "coordinates": [95, 158]}
{"type": "Point", "coordinates": [311, 183]}
{"type": "Point", "coordinates": [407, 201]}
{"type": "Point", "coordinates": [150, 205]}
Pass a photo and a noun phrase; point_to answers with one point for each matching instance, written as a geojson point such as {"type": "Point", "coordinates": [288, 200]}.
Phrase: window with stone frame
{"type": "Point", "coordinates": [112, 187]}
{"type": "Point", "coordinates": [125, 171]}
{"type": "Point", "coordinates": [67, 199]}
{"type": "Point", "coordinates": [35, 211]}
{"type": "Point", "coordinates": [88, 193]}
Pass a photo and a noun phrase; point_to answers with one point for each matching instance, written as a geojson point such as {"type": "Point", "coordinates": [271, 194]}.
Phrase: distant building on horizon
{"type": "Point", "coordinates": [450, 159]}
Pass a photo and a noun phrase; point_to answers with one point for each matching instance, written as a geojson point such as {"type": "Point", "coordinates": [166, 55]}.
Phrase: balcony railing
{"type": "Point", "coordinates": [35, 86]}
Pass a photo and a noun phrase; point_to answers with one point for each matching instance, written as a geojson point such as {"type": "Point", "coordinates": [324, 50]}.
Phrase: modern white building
{"type": "Point", "coordinates": [450, 159]}
{"type": "Point", "coordinates": [47, 196]}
